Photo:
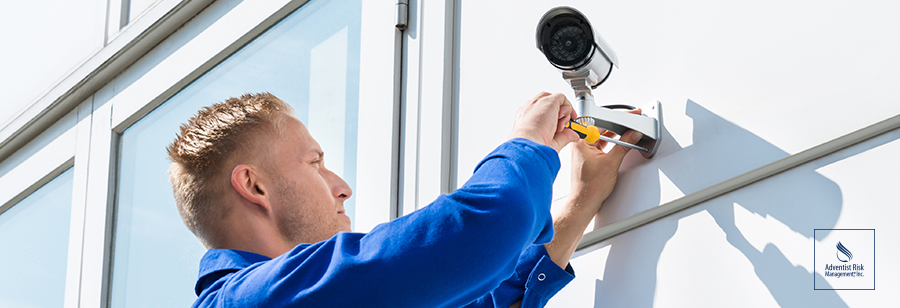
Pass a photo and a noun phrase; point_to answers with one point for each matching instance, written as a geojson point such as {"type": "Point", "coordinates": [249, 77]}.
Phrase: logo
{"type": "Point", "coordinates": [836, 268]}
{"type": "Point", "coordinates": [841, 250]}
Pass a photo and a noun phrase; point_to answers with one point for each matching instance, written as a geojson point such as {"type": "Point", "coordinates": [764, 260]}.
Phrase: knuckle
{"type": "Point", "coordinates": [539, 97]}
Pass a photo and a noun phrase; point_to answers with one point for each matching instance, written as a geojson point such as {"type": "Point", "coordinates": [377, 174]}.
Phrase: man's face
{"type": "Point", "coordinates": [308, 199]}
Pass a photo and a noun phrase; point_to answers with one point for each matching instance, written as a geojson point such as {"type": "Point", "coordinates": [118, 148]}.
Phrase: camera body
{"type": "Point", "coordinates": [569, 42]}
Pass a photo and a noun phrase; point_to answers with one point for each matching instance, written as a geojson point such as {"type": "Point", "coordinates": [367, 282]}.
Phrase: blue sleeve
{"type": "Point", "coordinates": [536, 280]}
{"type": "Point", "coordinates": [448, 253]}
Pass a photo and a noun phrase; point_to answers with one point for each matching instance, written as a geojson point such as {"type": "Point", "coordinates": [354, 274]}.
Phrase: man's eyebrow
{"type": "Point", "coordinates": [320, 154]}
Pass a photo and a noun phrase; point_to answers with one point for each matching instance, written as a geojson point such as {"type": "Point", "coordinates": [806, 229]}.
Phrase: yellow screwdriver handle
{"type": "Point", "coordinates": [590, 134]}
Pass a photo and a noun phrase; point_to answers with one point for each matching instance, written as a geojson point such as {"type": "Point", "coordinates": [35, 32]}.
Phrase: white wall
{"type": "Point", "coordinates": [43, 41]}
{"type": "Point", "coordinates": [753, 247]}
{"type": "Point", "coordinates": [742, 86]}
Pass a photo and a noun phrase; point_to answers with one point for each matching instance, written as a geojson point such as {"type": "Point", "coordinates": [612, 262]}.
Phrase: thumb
{"type": "Point", "coordinates": [619, 151]}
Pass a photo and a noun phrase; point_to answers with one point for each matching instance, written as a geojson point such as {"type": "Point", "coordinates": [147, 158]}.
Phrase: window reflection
{"type": "Point", "coordinates": [34, 236]}
{"type": "Point", "coordinates": [311, 61]}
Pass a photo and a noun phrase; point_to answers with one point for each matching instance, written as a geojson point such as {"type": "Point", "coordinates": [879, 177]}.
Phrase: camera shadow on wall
{"type": "Point", "coordinates": [656, 263]}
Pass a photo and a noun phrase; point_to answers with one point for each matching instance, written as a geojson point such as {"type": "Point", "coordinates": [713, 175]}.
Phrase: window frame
{"type": "Point", "coordinates": [118, 109]}
{"type": "Point", "coordinates": [60, 158]}
{"type": "Point", "coordinates": [100, 99]}
{"type": "Point", "coordinates": [42, 160]}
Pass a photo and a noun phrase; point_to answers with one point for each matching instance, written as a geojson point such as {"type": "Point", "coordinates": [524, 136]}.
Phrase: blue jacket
{"type": "Point", "coordinates": [477, 247]}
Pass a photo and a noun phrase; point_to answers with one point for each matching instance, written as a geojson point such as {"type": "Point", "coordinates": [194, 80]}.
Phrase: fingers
{"type": "Point", "coordinates": [619, 151]}
{"type": "Point", "coordinates": [565, 137]}
{"type": "Point", "coordinates": [630, 136]}
{"type": "Point", "coordinates": [583, 150]}
{"type": "Point", "coordinates": [565, 107]}
{"type": "Point", "coordinates": [601, 143]}
{"type": "Point", "coordinates": [539, 96]}
{"type": "Point", "coordinates": [535, 122]}
{"type": "Point", "coordinates": [565, 114]}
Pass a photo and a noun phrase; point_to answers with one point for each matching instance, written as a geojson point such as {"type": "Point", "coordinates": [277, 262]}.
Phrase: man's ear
{"type": "Point", "coordinates": [246, 181]}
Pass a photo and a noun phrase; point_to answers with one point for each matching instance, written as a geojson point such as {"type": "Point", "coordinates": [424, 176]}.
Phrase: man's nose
{"type": "Point", "coordinates": [339, 188]}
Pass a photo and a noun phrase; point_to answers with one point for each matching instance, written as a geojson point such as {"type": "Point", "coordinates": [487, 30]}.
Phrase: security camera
{"type": "Point", "coordinates": [569, 42]}
{"type": "Point", "coordinates": [585, 60]}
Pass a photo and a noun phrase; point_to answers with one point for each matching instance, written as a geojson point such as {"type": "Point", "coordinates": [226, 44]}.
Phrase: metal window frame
{"type": "Point", "coordinates": [99, 69]}
{"type": "Point", "coordinates": [40, 161]}
{"type": "Point", "coordinates": [429, 103]}
{"type": "Point", "coordinates": [228, 34]}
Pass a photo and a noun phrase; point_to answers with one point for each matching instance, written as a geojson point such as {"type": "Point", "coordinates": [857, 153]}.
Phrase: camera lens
{"type": "Point", "coordinates": [569, 44]}
{"type": "Point", "coordinates": [566, 38]}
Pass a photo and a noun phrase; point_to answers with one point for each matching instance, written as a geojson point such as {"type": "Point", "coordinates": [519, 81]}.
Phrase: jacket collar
{"type": "Point", "coordinates": [220, 262]}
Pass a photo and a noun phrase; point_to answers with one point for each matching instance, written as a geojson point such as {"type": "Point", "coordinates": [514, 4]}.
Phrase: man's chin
{"type": "Point", "coordinates": [344, 222]}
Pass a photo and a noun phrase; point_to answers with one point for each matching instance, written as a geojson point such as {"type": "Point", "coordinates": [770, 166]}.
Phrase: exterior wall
{"type": "Point", "coordinates": [752, 247]}
{"type": "Point", "coordinates": [744, 88]}
{"type": "Point", "coordinates": [42, 42]}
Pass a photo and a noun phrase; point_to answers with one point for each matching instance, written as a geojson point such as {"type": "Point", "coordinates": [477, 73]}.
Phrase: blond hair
{"type": "Point", "coordinates": [209, 145]}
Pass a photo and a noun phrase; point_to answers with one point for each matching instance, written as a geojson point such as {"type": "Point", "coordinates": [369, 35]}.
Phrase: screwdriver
{"type": "Point", "coordinates": [583, 126]}
{"type": "Point", "coordinates": [589, 133]}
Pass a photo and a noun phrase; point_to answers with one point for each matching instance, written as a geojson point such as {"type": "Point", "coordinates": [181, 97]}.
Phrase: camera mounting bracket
{"type": "Point", "coordinates": [649, 123]}
{"type": "Point", "coordinates": [582, 81]}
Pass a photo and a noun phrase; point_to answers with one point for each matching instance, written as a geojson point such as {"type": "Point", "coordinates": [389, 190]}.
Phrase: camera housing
{"type": "Point", "coordinates": [569, 42]}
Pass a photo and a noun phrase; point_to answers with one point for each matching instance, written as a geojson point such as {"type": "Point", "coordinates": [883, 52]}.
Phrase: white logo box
{"type": "Point", "coordinates": [850, 268]}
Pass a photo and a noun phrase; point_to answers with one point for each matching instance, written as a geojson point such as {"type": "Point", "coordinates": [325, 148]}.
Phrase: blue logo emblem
{"type": "Point", "coordinates": [841, 250]}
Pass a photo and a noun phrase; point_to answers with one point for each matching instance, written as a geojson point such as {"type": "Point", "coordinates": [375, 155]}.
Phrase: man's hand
{"type": "Point", "coordinates": [594, 172]}
{"type": "Point", "coordinates": [594, 175]}
{"type": "Point", "coordinates": [543, 120]}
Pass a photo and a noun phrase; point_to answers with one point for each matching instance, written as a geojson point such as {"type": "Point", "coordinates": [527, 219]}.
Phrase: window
{"type": "Point", "coordinates": [34, 234]}
{"type": "Point", "coordinates": [311, 61]}
{"type": "Point", "coordinates": [131, 9]}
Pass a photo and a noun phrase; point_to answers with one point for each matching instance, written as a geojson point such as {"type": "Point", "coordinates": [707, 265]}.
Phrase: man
{"type": "Point", "coordinates": [251, 184]}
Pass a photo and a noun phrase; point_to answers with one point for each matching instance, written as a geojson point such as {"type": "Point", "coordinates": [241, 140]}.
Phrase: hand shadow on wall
{"type": "Point", "coordinates": [800, 198]}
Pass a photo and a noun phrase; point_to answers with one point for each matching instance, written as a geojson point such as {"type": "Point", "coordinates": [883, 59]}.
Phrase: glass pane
{"type": "Point", "coordinates": [34, 236]}
{"type": "Point", "coordinates": [311, 61]}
